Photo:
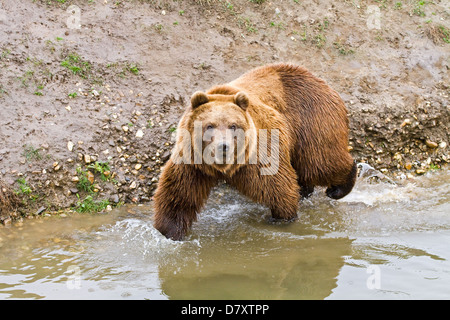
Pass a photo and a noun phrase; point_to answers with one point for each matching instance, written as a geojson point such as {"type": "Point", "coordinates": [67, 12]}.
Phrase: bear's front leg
{"type": "Point", "coordinates": [279, 191]}
{"type": "Point", "coordinates": [181, 193]}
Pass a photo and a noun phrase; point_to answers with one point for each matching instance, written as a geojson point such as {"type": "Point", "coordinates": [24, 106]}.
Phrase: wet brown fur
{"type": "Point", "coordinates": [313, 126]}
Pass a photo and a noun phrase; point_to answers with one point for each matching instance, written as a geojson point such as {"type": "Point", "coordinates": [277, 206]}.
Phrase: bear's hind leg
{"type": "Point", "coordinates": [340, 191]}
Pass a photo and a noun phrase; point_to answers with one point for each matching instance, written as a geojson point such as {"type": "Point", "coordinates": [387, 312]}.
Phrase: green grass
{"type": "Point", "coordinates": [320, 40]}
{"type": "Point", "coordinates": [77, 65]}
{"type": "Point", "coordinates": [343, 49]}
{"type": "Point", "coordinates": [89, 205]}
{"type": "Point", "coordinates": [31, 153]}
{"type": "Point", "coordinates": [83, 182]}
{"type": "Point", "coordinates": [24, 188]}
{"type": "Point", "coordinates": [101, 168]}
{"type": "Point", "coordinates": [445, 33]}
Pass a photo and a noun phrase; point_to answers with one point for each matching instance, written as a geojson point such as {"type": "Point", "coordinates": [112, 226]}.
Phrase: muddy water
{"type": "Point", "coordinates": [383, 241]}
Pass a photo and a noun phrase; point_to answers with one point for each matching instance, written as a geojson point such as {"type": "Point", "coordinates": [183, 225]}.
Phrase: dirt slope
{"type": "Point", "coordinates": [113, 89]}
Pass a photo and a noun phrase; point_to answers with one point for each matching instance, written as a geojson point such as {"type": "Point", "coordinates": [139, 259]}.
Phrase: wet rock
{"type": "Point", "coordinates": [39, 211]}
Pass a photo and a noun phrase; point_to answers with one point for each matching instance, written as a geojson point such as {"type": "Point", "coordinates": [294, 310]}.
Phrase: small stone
{"type": "Point", "coordinates": [431, 144]}
{"type": "Point", "coordinates": [420, 171]}
{"type": "Point", "coordinates": [138, 166]}
{"type": "Point", "coordinates": [95, 93]}
{"type": "Point", "coordinates": [406, 122]}
{"type": "Point", "coordinates": [75, 179]}
{"type": "Point", "coordinates": [443, 145]}
{"type": "Point", "coordinates": [125, 128]}
{"type": "Point", "coordinates": [133, 185]}
{"type": "Point", "coordinates": [87, 158]}
{"type": "Point", "coordinates": [115, 198]}
{"type": "Point", "coordinates": [90, 177]}
{"type": "Point", "coordinates": [139, 133]}
{"type": "Point", "coordinates": [70, 145]}
{"type": "Point", "coordinates": [39, 211]}
{"type": "Point", "coordinates": [74, 190]}
{"type": "Point", "coordinates": [408, 166]}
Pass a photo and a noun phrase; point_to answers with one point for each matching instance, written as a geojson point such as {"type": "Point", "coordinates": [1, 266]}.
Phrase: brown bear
{"type": "Point", "coordinates": [310, 146]}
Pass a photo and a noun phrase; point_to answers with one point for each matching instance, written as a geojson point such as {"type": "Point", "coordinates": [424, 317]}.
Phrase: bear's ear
{"type": "Point", "coordinates": [241, 100]}
{"type": "Point", "coordinates": [198, 99]}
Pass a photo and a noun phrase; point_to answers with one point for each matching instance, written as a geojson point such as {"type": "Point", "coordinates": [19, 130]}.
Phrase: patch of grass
{"type": "Point", "coordinates": [419, 7]}
{"type": "Point", "coordinates": [343, 49]}
{"type": "Point", "coordinates": [77, 65]}
{"type": "Point", "coordinates": [24, 188]}
{"type": "Point", "coordinates": [72, 95]}
{"type": "Point", "coordinates": [257, 1]}
{"type": "Point", "coordinates": [320, 40]}
{"type": "Point", "coordinates": [101, 168]}
{"type": "Point", "coordinates": [172, 129]}
{"type": "Point", "coordinates": [438, 34]}
{"type": "Point", "coordinates": [83, 181]}
{"type": "Point", "coordinates": [31, 153]}
{"type": "Point", "coordinates": [133, 69]}
{"type": "Point", "coordinates": [89, 205]}
{"type": "Point", "coordinates": [278, 25]}
{"type": "Point", "coordinates": [247, 24]}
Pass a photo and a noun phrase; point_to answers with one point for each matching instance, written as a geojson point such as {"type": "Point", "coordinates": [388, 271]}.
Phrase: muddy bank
{"type": "Point", "coordinates": [88, 114]}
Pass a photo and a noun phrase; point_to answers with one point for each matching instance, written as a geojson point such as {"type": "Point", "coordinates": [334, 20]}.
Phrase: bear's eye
{"type": "Point", "coordinates": [209, 127]}
{"type": "Point", "coordinates": [233, 127]}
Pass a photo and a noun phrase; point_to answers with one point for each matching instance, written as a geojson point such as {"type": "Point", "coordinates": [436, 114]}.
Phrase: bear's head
{"type": "Point", "coordinates": [222, 131]}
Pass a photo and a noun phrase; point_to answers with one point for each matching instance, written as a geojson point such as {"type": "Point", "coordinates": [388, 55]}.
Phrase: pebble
{"type": "Point", "coordinates": [406, 122]}
{"type": "Point", "coordinates": [70, 145]}
{"type": "Point", "coordinates": [420, 171]}
{"type": "Point", "coordinates": [87, 158]}
{"type": "Point", "coordinates": [133, 185]}
{"type": "Point", "coordinates": [138, 166]}
{"type": "Point", "coordinates": [139, 133]}
{"type": "Point", "coordinates": [90, 177]}
{"type": "Point", "coordinates": [408, 166]}
{"type": "Point", "coordinates": [431, 144]}
{"type": "Point", "coordinates": [39, 211]}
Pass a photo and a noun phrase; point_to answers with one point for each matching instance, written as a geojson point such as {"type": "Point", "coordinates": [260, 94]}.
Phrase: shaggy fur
{"type": "Point", "coordinates": [313, 150]}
